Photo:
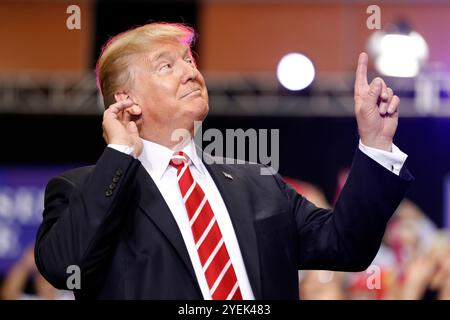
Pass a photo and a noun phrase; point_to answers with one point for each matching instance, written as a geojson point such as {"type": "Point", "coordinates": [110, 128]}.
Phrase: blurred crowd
{"type": "Point", "coordinates": [413, 262]}
{"type": "Point", "coordinates": [24, 282]}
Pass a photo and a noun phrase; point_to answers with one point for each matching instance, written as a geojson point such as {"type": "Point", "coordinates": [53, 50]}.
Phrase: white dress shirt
{"type": "Point", "coordinates": [393, 161]}
{"type": "Point", "coordinates": [155, 159]}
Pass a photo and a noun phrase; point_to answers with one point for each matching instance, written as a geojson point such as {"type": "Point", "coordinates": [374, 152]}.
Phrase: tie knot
{"type": "Point", "coordinates": [178, 159]}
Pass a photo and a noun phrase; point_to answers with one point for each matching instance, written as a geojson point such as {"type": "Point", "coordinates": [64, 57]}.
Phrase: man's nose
{"type": "Point", "coordinates": [190, 72]}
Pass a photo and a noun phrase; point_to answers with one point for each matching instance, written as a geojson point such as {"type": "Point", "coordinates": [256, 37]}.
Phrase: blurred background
{"type": "Point", "coordinates": [285, 64]}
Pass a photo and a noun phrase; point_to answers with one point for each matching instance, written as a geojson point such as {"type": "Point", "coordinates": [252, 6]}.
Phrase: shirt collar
{"type": "Point", "coordinates": [156, 158]}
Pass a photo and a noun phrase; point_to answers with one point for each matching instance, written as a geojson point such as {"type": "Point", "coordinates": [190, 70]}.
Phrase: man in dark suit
{"type": "Point", "coordinates": [153, 220]}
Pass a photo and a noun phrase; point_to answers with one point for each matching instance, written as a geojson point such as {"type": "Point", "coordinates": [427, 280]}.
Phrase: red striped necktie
{"type": "Point", "coordinates": [216, 263]}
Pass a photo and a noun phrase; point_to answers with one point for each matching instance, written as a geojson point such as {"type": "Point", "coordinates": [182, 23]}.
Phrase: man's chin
{"type": "Point", "coordinates": [201, 111]}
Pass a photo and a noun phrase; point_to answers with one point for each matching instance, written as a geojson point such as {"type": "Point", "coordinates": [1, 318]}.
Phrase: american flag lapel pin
{"type": "Point", "coordinates": [227, 175]}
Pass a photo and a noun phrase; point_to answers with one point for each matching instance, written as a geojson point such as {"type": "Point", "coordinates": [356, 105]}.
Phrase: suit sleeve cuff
{"type": "Point", "coordinates": [392, 161]}
{"type": "Point", "coordinates": [123, 148]}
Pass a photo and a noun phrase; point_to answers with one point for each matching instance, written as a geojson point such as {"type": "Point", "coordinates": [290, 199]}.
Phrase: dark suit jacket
{"type": "Point", "coordinates": [111, 220]}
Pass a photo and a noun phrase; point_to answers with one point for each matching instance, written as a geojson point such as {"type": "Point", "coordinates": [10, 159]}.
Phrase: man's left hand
{"type": "Point", "coordinates": [376, 109]}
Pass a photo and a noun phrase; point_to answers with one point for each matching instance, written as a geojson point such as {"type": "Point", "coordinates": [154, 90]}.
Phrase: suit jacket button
{"type": "Point", "coordinates": [116, 179]}
{"type": "Point", "coordinates": [119, 172]}
{"type": "Point", "coordinates": [112, 186]}
{"type": "Point", "coordinates": [108, 193]}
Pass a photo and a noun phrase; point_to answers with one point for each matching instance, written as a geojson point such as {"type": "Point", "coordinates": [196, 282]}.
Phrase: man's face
{"type": "Point", "coordinates": [169, 89]}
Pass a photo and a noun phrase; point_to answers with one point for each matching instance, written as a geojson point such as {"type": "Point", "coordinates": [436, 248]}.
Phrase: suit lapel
{"type": "Point", "coordinates": [156, 209]}
{"type": "Point", "coordinates": [235, 197]}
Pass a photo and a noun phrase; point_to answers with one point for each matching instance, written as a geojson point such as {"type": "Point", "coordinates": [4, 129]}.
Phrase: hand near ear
{"type": "Point", "coordinates": [119, 126]}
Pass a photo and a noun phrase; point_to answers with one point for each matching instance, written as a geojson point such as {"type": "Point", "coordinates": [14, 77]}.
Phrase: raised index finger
{"type": "Point", "coordinates": [361, 73]}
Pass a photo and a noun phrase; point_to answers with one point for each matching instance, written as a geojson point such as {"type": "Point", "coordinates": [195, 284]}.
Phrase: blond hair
{"type": "Point", "coordinates": [113, 66]}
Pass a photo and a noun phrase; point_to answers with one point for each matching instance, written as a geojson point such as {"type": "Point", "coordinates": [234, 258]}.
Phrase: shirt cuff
{"type": "Point", "coordinates": [393, 161]}
{"type": "Point", "coordinates": [123, 148]}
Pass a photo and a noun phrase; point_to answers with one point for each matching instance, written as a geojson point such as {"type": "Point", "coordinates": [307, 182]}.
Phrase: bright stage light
{"type": "Point", "coordinates": [295, 71]}
{"type": "Point", "coordinates": [398, 54]}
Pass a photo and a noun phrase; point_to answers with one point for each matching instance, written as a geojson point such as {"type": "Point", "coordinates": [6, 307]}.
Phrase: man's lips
{"type": "Point", "coordinates": [191, 92]}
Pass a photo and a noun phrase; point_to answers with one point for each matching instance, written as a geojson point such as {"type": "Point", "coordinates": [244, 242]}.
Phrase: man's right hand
{"type": "Point", "coordinates": [118, 126]}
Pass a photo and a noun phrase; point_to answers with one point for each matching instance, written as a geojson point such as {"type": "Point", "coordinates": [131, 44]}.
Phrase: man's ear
{"type": "Point", "coordinates": [120, 96]}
